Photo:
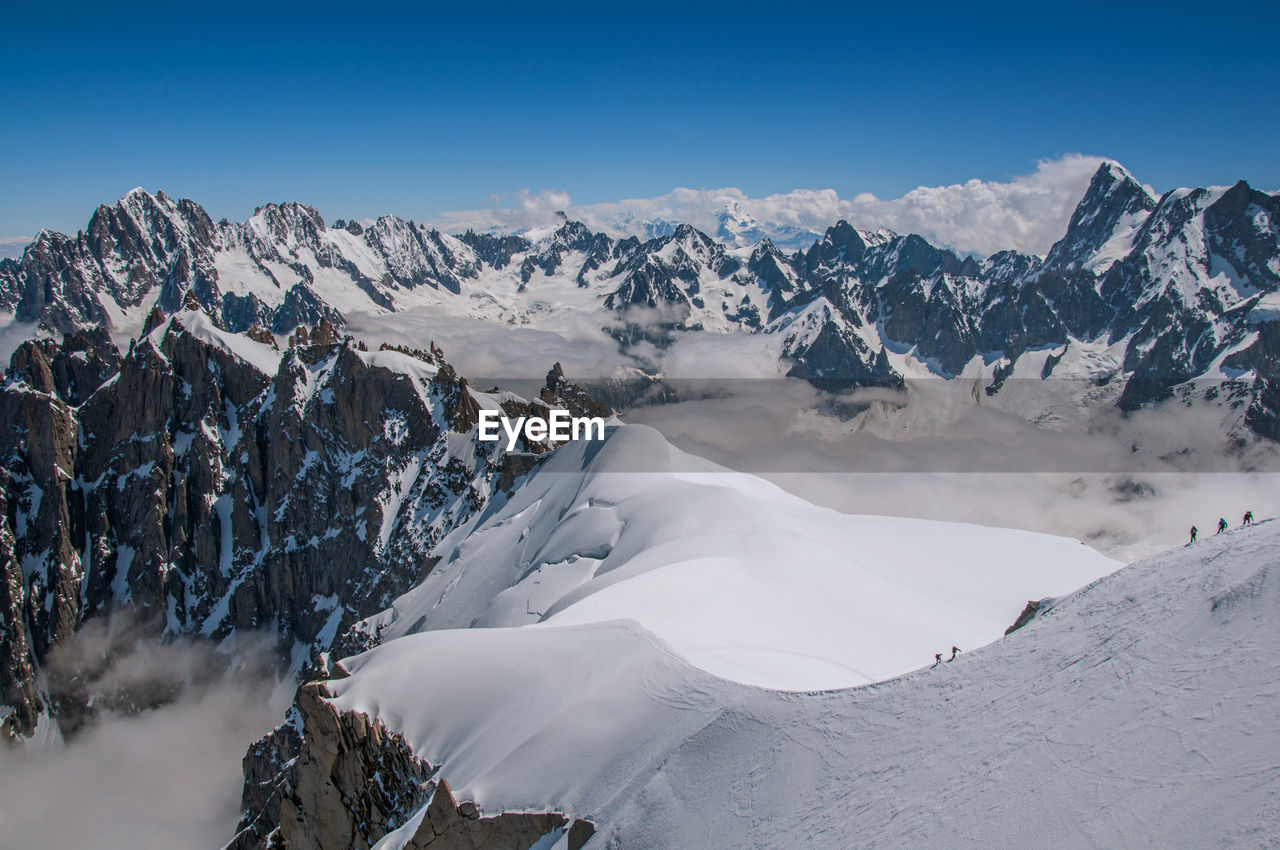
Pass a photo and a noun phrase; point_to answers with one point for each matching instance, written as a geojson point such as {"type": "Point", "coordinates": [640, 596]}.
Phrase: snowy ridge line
{"type": "Point", "coordinates": [1097, 690]}
{"type": "Point", "coordinates": [606, 544]}
{"type": "Point", "coordinates": [1169, 290]}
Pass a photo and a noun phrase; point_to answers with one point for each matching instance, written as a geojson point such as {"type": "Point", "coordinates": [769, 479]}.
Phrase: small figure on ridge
{"type": "Point", "coordinates": [1194, 532]}
{"type": "Point", "coordinates": [1248, 518]}
{"type": "Point", "coordinates": [1222, 525]}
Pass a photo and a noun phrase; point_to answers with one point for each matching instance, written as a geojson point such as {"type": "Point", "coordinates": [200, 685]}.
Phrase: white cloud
{"type": "Point", "coordinates": [166, 777]}
{"type": "Point", "coordinates": [11, 246]}
{"type": "Point", "coordinates": [981, 466]}
{"type": "Point", "coordinates": [1028, 213]}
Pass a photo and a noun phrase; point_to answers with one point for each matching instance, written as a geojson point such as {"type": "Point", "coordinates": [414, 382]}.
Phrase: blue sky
{"type": "Point", "coordinates": [362, 109]}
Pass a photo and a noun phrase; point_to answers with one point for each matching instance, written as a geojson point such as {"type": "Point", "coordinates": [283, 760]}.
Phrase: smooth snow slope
{"type": "Point", "coordinates": [738, 577]}
{"type": "Point", "coordinates": [577, 636]}
{"type": "Point", "coordinates": [1143, 710]}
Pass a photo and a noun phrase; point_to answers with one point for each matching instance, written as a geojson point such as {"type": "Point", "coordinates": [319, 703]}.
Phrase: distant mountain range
{"type": "Point", "coordinates": [736, 227]}
{"type": "Point", "coordinates": [244, 466]}
{"type": "Point", "coordinates": [1155, 296]}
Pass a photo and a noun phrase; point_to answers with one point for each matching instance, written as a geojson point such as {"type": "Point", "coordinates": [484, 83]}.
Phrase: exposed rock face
{"type": "Point", "coordinates": [207, 491]}
{"type": "Point", "coordinates": [346, 781]}
{"type": "Point", "coordinates": [1114, 200]}
{"type": "Point", "coordinates": [1034, 609]}
{"type": "Point", "coordinates": [1263, 358]}
{"type": "Point", "coordinates": [448, 826]}
{"type": "Point", "coordinates": [836, 358]}
{"type": "Point", "coordinates": [132, 250]}
{"type": "Point", "coordinates": [330, 779]}
{"type": "Point", "coordinates": [17, 672]}
{"type": "Point", "coordinates": [495, 251]}
{"type": "Point", "coordinates": [42, 571]}
{"type": "Point", "coordinates": [559, 392]}
{"type": "Point", "coordinates": [1181, 281]}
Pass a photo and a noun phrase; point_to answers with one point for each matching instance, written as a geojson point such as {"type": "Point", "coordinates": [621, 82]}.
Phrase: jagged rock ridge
{"type": "Point", "coordinates": [1187, 286]}
{"type": "Point", "coordinates": [330, 778]}
{"type": "Point", "coordinates": [210, 485]}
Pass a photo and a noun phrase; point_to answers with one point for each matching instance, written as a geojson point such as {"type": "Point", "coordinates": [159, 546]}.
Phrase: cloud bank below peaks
{"type": "Point", "coordinates": [13, 246]}
{"type": "Point", "coordinates": [1028, 213]}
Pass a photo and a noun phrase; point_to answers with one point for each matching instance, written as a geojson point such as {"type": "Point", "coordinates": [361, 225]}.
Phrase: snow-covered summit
{"type": "Point", "coordinates": [738, 577]}
{"type": "Point", "coordinates": [1139, 709]}
{"type": "Point", "coordinates": [739, 227]}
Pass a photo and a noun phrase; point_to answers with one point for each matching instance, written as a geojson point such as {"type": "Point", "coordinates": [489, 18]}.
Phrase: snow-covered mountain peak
{"type": "Point", "coordinates": [290, 225]}
{"type": "Point", "coordinates": [1178, 268]}
{"type": "Point", "coordinates": [841, 243]}
{"type": "Point", "coordinates": [1111, 171]}
{"type": "Point", "coordinates": [137, 203]}
{"type": "Point", "coordinates": [571, 235]}
{"type": "Point", "coordinates": [138, 196]}
{"type": "Point", "coordinates": [738, 227]}
{"type": "Point", "coordinates": [1103, 226]}
{"type": "Point", "coordinates": [687, 233]}
{"type": "Point", "coordinates": [772, 591]}
{"type": "Point", "coordinates": [45, 237]}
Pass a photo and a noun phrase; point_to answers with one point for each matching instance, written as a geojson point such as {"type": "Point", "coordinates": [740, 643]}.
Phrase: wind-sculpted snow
{"type": "Point", "coordinates": [623, 611]}
{"type": "Point", "coordinates": [599, 705]}
{"type": "Point", "coordinates": [735, 575]}
{"type": "Point", "coordinates": [1137, 711]}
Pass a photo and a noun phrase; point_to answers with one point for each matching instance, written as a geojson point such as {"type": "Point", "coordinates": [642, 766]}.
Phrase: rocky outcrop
{"type": "Point", "coordinates": [559, 392]}
{"type": "Point", "coordinates": [40, 601]}
{"type": "Point", "coordinates": [1035, 608]}
{"type": "Point", "coordinates": [448, 826]}
{"type": "Point", "coordinates": [18, 692]}
{"type": "Point", "coordinates": [1263, 359]}
{"type": "Point", "coordinates": [346, 781]}
{"type": "Point", "coordinates": [207, 495]}
{"type": "Point", "coordinates": [329, 779]}
{"type": "Point", "coordinates": [72, 370]}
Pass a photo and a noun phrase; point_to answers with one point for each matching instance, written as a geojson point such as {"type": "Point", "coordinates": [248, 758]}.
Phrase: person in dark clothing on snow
{"type": "Point", "coordinates": [937, 659]}
{"type": "Point", "coordinates": [1194, 532]}
{"type": "Point", "coordinates": [1248, 518]}
{"type": "Point", "coordinates": [955, 650]}
{"type": "Point", "coordinates": [1222, 525]}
